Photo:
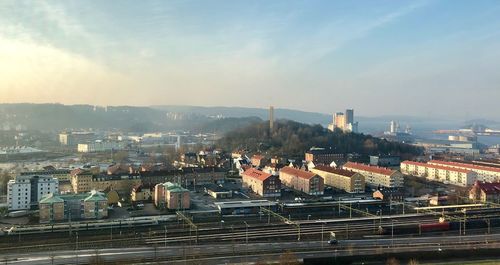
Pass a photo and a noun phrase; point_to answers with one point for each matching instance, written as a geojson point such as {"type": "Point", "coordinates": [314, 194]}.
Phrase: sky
{"type": "Point", "coordinates": [420, 58]}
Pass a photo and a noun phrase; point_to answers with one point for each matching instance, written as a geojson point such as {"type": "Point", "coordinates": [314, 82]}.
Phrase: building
{"type": "Point", "coordinates": [81, 180]}
{"type": "Point", "coordinates": [342, 179]}
{"type": "Point", "coordinates": [142, 193]}
{"type": "Point", "coordinates": [344, 122]}
{"type": "Point", "coordinates": [25, 191]}
{"type": "Point", "coordinates": [447, 175]}
{"type": "Point", "coordinates": [484, 173]}
{"type": "Point", "coordinates": [263, 184]}
{"type": "Point", "coordinates": [303, 181]}
{"type": "Point", "coordinates": [322, 156]}
{"type": "Point", "coordinates": [377, 176]}
{"type": "Point", "coordinates": [485, 192]}
{"type": "Point", "coordinates": [385, 161]}
{"type": "Point", "coordinates": [54, 207]}
{"type": "Point", "coordinates": [60, 174]}
{"type": "Point", "coordinates": [258, 160]}
{"type": "Point", "coordinates": [85, 181]}
{"type": "Point", "coordinates": [100, 146]}
{"type": "Point", "coordinates": [245, 207]}
{"type": "Point", "coordinates": [218, 192]}
{"type": "Point", "coordinates": [171, 196]}
{"type": "Point", "coordinates": [72, 139]}
{"type": "Point", "coordinates": [389, 195]}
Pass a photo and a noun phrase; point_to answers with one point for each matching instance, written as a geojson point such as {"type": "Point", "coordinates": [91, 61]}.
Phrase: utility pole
{"type": "Point", "coordinates": [165, 237]}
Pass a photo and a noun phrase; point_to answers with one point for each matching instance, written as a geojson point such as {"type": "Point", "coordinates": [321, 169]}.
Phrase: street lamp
{"type": "Point", "coordinates": [221, 223]}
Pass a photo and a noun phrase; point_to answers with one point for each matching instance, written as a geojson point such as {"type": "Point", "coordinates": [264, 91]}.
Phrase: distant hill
{"type": "Point", "coordinates": [238, 112]}
{"type": "Point", "coordinates": [292, 139]}
{"type": "Point", "coordinates": [56, 117]}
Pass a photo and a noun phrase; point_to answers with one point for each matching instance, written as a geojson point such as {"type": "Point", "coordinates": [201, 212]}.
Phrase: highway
{"type": "Point", "coordinates": [225, 252]}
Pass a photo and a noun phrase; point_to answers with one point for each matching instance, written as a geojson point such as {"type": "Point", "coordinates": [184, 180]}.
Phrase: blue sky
{"type": "Point", "coordinates": [423, 58]}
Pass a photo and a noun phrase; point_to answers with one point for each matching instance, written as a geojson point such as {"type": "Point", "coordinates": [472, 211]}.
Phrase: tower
{"type": "Point", "coordinates": [271, 118]}
{"type": "Point", "coordinates": [349, 116]}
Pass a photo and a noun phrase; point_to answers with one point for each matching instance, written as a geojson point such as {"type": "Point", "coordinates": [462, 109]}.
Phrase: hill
{"type": "Point", "coordinates": [56, 117]}
{"type": "Point", "coordinates": [292, 139]}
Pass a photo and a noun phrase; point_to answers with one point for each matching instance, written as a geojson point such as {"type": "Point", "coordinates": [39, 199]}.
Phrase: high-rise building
{"type": "Point", "coordinates": [345, 122]}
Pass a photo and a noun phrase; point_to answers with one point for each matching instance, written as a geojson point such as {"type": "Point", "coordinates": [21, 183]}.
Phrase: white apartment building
{"type": "Point", "coordinates": [447, 175]}
{"type": "Point", "coordinates": [484, 173]}
{"type": "Point", "coordinates": [377, 176]}
{"type": "Point", "coordinates": [26, 191]}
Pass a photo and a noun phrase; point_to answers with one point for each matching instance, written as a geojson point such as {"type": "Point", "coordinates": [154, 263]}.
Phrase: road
{"type": "Point", "coordinates": [222, 253]}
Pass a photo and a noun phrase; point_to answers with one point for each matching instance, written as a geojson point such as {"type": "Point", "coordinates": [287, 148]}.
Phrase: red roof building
{"type": "Point", "coordinates": [485, 192]}
{"type": "Point", "coordinates": [262, 183]}
{"type": "Point", "coordinates": [303, 181]}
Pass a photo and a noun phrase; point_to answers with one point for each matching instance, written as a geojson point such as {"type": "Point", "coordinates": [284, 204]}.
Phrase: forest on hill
{"type": "Point", "coordinates": [291, 139]}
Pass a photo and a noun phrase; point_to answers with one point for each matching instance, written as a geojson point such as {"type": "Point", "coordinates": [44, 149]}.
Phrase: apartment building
{"type": "Point", "coordinates": [303, 181]}
{"type": "Point", "coordinates": [25, 191]}
{"type": "Point", "coordinates": [484, 173]}
{"type": "Point", "coordinates": [377, 176]}
{"type": "Point", "coordinates": [447, 175]}
{"type": "Point", "coordinates": [346, 180]}
{"type": "Point", "coordinates": [264, 184]}
{"type": "Point", "coordinates": [171, 196]}
{"type": "Point", "coordinates": [55, 207]}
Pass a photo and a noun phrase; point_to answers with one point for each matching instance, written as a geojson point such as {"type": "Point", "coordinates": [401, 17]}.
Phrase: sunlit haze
{"type": "Point", "coordinates": [421, 58]}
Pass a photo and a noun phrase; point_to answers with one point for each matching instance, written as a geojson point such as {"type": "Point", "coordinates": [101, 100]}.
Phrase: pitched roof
{"type": "Point", "coordinates": [436, 166]}
{"type": "Point", "coordinates": [464, 165]}
{"type": "Point", "coordinates": [338, 171]}
{"type": "Point", "coordinates": [51, 198]}
{"type": "Point", "coordinates": [95, 196]}
{"type": "Point", "coordinates": [297, 172]}
{"type": "Point", "coordinates": [256, 174]}
{"type": "Point", "coordinates": [489, 188]}
{"type": "Point", "coordinates": [368, 168]}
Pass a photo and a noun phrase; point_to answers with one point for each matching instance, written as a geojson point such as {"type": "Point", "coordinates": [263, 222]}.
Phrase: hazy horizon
{"type": "Point", "coordinates": [412, 58]}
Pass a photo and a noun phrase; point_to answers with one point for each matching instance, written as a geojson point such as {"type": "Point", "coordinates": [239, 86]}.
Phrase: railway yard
{"type": "Point", "coordinates": [346, 221]}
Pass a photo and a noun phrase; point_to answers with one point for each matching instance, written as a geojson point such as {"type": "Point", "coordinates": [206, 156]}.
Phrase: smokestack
{"type": "Point", "coordinates": [271, 118]}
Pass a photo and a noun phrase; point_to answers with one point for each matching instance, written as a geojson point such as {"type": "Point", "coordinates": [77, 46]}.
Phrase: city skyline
{"type": "Point", "coordinates": [416, 58]}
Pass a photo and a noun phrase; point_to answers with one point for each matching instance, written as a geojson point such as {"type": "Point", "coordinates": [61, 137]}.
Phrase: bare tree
{"type": "Point", "coordinates": [413, 262]}
{"type": "Point", "coordinates": [289, 258]}
{"type": "Point", "coordinates": [392, 261]}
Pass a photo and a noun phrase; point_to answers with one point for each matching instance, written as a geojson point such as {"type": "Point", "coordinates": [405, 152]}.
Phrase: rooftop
{"type": "Point", "coordinates": [256, 174]}
{"type": "Point", "coordinates": [489, 188]}
{"type": "Point", "coordinates": [464, 165]}
{"type": "Point", "coordinates": [373, 169]}
{"type": "Point", "coordinates": [338, 171]}
{"type": "Point", "coordinates": [435, 166]}
{"type": "Point", "coordinates": [297, 172]}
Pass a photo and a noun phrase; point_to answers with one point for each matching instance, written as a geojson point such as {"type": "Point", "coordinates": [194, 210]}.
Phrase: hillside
{"type": "Point", "coordinates": [56, 117]}
{"type": "Point", "coordinates": [292, 139]}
